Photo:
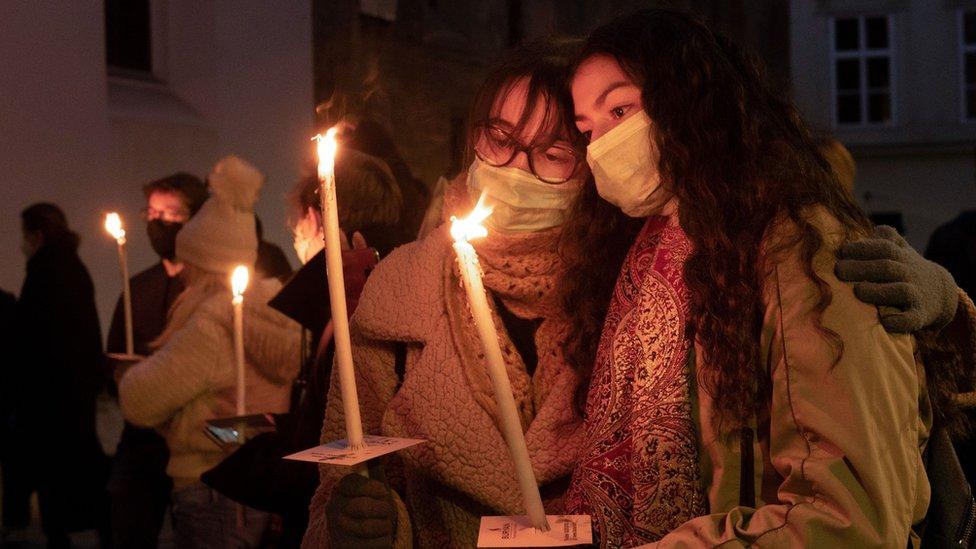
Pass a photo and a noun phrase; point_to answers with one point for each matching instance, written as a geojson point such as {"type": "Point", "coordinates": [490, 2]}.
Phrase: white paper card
{"type": "Point", "coordinates": [337, 452]}
{"type": "Point", "coordinates": [517, 531]}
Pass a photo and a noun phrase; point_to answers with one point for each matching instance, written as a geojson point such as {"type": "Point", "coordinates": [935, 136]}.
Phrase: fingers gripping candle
{"type": "Point", "coordinates": [463, 230]}
{"type": "Point", "coordinates": [337, 295]}
{"type": "Point", "coordinates": [113, 225]}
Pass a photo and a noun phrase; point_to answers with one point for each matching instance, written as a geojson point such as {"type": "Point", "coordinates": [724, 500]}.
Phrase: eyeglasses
{"type": "Point", "coordinates": [169, 216]}
{"type": "Point", "coordinates": [554, 163]}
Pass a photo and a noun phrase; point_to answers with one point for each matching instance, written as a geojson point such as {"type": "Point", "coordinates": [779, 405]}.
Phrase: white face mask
{"type": "Point", "coordinates": [520, 203]}
{"type": "Point", "coordinates": [624, 165]}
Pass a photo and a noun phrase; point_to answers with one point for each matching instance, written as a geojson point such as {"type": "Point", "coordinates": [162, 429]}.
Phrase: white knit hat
{"type": "Point", "coordinates": [222, 234]}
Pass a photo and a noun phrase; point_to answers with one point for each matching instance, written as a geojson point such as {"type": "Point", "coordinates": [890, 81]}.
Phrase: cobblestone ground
{"type": "Point", "coordinates": [109, 430]}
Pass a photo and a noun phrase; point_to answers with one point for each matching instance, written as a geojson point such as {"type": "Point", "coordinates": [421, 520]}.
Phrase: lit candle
{"type": "Point", "coordinates": [337, 294]}
{"type": "Point", "coordinates": [463, 230]}
{"type": "Point", "coordinates": [238, 283]}
{"type": "Point", "coordinates": [113, 224]}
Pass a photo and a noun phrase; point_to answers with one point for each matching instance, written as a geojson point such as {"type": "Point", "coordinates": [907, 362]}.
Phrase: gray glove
{"type": "Point", "coordinates": [911, 292]}
{"type": "Point", "coordinates": [361, 514]}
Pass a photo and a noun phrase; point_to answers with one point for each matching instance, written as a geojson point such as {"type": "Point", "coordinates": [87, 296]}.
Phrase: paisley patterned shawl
{"type": "Point", "coordinates": [638, 474]}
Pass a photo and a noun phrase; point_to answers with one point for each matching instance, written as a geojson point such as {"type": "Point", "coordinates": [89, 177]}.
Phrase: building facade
{"type": "Point", "coordinates": [101, 97]}
{"type": "Point", "coordinates": [415, 64]}
{"type": "Point", "coordinates": [895, 81]}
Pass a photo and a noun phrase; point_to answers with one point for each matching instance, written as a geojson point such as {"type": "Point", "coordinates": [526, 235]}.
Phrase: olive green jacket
{"type": "Point", "coordinates": [838, 462]}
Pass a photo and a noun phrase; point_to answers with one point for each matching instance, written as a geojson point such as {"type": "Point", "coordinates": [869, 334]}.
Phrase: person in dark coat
{"type": "Point", "coordinates": [60, 369]}
{"type": "Point", "coordinates": [139, 486]}
{"type": "Point", "coordinates": [13, 482]}
{"type": "Point", "coordinates": [953, 246]}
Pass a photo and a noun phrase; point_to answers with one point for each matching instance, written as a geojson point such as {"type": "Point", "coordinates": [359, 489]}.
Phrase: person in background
{"type": "Point", "coordinates": [138, 485]}
{"type": "Point", "coordinates": [59, 374]}
{"type": "Point", "coordinates": [191, 377]}
{"type": "Point", "coordinates": [271, 262]}
{"type": "Point", "coordinates": [367, 136]}
{"type": "Point", "coordinates": [953, 245]}
{"type": "Point", "coordinates": [13, 482]}
{"type": "Point", "coordinates": [371, 209]}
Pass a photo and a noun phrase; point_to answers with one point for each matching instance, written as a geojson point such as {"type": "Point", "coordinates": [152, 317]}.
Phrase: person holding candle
{"type": "Point", "coordinates": [741, 394]}
{"type": "Point", "coordinates": [418, 357]}
{"type": "Point", "coordinates": [191, 377]}
{"type": "Point", "coordinates": [370, 209]}
{"type": "Point", "coordinates": [58, 376]}
{"type": "Point", "coordinates": [138, 486]}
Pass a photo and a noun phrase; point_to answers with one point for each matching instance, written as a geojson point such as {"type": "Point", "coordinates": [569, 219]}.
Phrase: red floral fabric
{"type": "Point", "coordinates": [638, 474]}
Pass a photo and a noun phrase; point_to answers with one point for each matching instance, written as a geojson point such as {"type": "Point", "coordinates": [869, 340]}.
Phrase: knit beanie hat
{"type": "Point", "coordinates": [222, 234]}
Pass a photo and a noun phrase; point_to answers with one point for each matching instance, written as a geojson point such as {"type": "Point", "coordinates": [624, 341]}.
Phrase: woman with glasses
{"type": "Point", "coordinates": [419, 367]}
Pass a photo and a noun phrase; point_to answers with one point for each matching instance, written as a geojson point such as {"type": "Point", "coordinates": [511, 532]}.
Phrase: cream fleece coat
{"type": "Point", "coordinates": [192, 378]}
{"type": "Point", "coordinates": [464, 470]}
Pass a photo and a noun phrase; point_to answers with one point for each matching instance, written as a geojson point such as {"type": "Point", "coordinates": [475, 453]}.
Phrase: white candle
{"type": "Point", "coordinates": [238, 283]}
{"type": "Point", "coordinates": [113, 224]}
{"type": "Point", "coordinates": [463, 230]}
{"type": "Point", "coordinates": [337, 294]}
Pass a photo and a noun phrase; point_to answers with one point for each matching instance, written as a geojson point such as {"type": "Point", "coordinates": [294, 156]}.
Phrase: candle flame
{"type": "Point", "coordinates": [470, 227]}
{"type": "Point", "coordinates": [113, 224]}
{"type": "Point", "coordinates": [326, 148]}
{"type": "Point", "coordinates": [238, 280]}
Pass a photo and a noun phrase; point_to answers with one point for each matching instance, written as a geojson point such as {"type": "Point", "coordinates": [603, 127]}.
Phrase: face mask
{"type": "Point", "coordinates": [624, 165]}
{"type": "Point", "coordinates": [162, 237]}
{"type": "Point", "coordinates": [520, 203]}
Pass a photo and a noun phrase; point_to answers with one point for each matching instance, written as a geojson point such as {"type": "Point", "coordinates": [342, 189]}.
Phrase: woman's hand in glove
{"type": "Point", "coordinates": [361, 513]}
{"type": "Point", "coordinates": [911, 292]}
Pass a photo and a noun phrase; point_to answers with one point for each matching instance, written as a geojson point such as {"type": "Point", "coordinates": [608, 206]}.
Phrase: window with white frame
{"type": "Point", "coordinates": [967, 40]}
{"type": "Point", "coordinates": [862, 54]}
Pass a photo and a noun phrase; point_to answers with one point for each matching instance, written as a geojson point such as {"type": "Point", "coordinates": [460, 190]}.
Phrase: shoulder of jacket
{"type": "Point", "coordinates": [405, 290]}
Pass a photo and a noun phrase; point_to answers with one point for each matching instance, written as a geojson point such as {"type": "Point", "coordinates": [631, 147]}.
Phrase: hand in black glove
{"type": "Point", "coordinates": [361, 514]}
{"type": "Point", "coordinates": [911, 292]}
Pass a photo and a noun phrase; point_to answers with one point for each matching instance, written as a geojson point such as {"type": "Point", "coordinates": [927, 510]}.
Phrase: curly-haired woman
{"type": "Point", "coordinates": [740, 392]}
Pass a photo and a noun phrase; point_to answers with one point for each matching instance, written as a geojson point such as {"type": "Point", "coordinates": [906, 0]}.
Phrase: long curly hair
{"type": "Point", "coordinates": [740, 161]}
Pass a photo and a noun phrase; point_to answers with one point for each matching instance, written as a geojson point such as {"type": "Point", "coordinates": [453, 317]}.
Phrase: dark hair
{"type": "Point", "coordinates": [191, 189]}
{"type": "Point", "coordinates": [545, 64]}
{"type": "Point", "coordinates": [738, 154]}
{"type": "Point", "coordinates": [49, 220]}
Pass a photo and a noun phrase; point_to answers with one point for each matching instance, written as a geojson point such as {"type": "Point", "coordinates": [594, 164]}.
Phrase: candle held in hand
{"type": "Point", "coordinates": [463, 230]}
{"type": "Point", "coordinates": [113, 225]}
{"type": "Point", "coordinates": [327, 148]}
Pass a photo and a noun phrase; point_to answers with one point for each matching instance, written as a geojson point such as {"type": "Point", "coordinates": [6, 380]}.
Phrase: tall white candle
{"type": "Point", "coordinates": [337, 294]}
{"type": "Point", "coordinates": [113, 224]}
{"type": "Point", "coordinates": [238, 282]}
{"type": "Point", "coordinates": [463, 230]}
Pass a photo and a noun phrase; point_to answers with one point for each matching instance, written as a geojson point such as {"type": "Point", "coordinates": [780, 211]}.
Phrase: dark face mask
{"type": "Point", "coordinates": [162, 237]}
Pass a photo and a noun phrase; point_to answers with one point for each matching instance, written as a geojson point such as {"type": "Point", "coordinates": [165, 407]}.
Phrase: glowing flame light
{"type": "Point", "coordinates": [238, 280]}
{"type": "Point", "coordinates": [470, 227]}
{"type": "Point", "coordinates": [326, 149]}
{"type": "Point", "coordinates": [113, 224]}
